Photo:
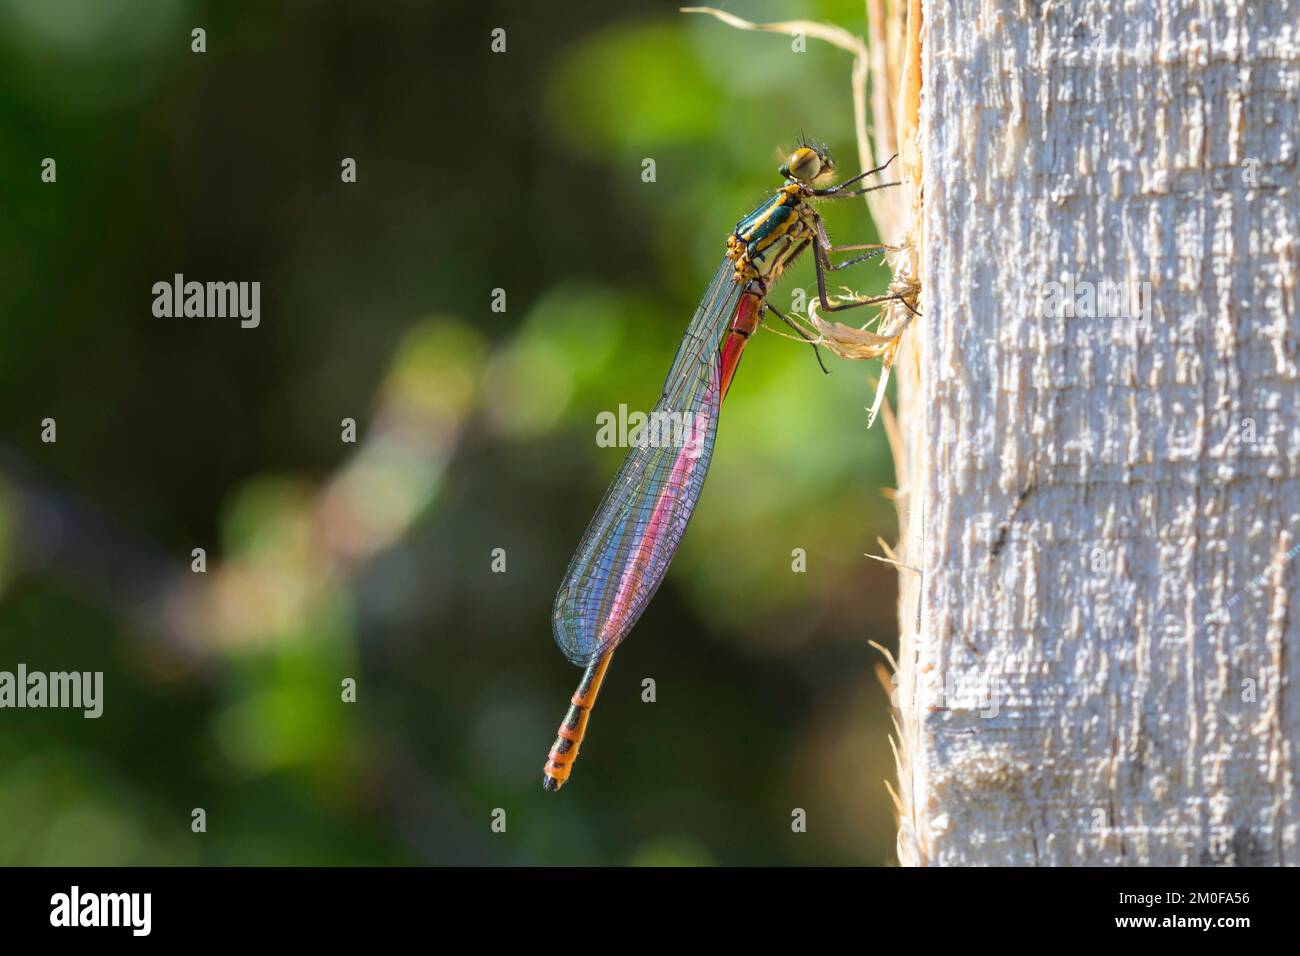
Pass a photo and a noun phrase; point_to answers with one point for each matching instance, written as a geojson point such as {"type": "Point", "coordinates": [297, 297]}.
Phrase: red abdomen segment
{"type": "Point", "coordinates": [749, 311]}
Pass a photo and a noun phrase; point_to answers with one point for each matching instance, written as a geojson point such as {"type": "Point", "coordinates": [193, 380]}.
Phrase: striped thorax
{"type": "Point", "coordinates": [770, 237]}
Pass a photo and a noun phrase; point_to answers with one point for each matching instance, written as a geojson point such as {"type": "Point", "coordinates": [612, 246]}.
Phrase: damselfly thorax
{"type": "Point", "coordinates": [772, 236]}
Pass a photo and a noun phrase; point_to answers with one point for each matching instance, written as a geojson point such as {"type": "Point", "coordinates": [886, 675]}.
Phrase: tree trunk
{"type": "Point", "coordinates": [1100, 650]}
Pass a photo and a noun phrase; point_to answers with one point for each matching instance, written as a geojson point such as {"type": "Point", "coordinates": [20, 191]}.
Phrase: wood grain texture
{"type": "Point", "coordinates": [1105, 669]}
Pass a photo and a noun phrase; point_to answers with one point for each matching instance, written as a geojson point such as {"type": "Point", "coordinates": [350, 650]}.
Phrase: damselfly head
{"type": "Point", "coordinates": [809, 164]}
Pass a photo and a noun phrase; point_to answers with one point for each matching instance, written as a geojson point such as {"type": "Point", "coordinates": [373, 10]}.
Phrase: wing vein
{"type": "Point", "coordinates": [624, 554]}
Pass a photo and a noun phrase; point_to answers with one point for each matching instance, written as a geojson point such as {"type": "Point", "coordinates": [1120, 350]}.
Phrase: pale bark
{"type": "Point", "coordinates": [1081, 494]}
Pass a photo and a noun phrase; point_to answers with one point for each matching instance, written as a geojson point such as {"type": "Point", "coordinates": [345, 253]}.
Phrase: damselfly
{"type": "Point", "coordinates": [626, 550]}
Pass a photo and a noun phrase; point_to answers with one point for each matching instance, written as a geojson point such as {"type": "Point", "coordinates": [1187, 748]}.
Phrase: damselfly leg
{"type": "Point", "coordinates": [822, 250]}
{"type": "Point", "coordinates": [841, 190]}
{"type": "Point", "coordinates": [769, 307]}
{"type": "Point", "coordinates": [877, 250]}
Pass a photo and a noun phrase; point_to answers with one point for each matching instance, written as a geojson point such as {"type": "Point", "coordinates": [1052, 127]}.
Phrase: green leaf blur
{"type": "Point", "coordinates": [371, 561]}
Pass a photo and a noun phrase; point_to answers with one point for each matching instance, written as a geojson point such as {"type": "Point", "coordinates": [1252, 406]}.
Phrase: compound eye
{"type": "Point", "coordinates": [804, 165]}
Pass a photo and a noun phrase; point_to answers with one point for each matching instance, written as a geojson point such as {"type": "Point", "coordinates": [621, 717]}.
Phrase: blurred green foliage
{"type": "Point", "coordinates": [328, 560]}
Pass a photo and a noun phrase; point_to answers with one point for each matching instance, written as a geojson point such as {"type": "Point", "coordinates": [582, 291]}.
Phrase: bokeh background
{"type": "Point", "coordinates": [476, 430]}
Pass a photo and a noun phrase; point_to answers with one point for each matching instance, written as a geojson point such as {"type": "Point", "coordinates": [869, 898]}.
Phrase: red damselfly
{"type": "Point", "coordinates": [626, 550]}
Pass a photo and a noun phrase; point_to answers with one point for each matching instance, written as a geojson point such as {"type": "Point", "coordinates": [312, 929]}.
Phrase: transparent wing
{"type": "Point", "coordinates": [625, 551]}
